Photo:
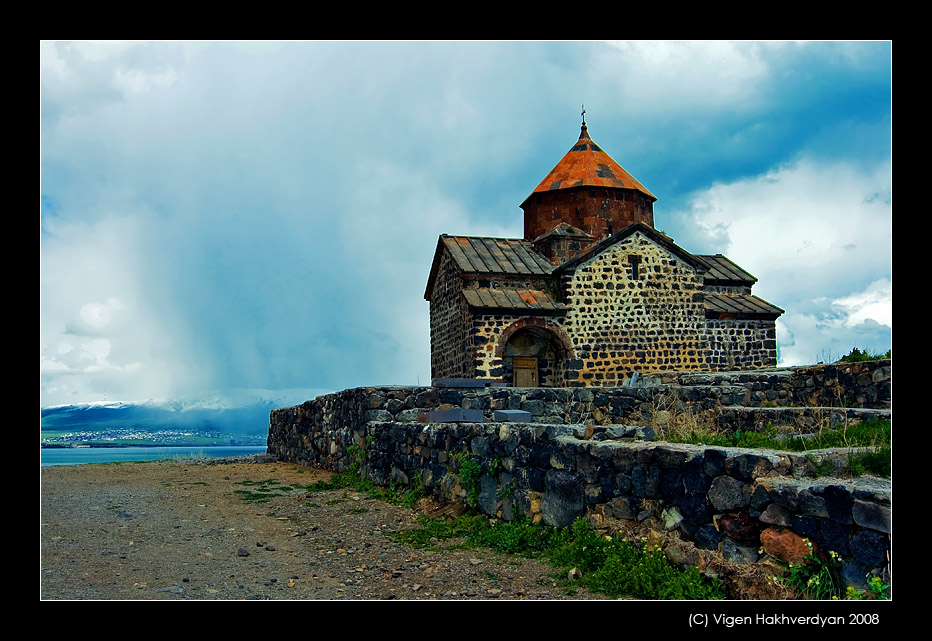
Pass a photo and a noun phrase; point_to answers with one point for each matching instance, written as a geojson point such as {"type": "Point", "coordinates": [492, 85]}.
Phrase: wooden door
{"type": "Point", "coordinates": [525, 369]}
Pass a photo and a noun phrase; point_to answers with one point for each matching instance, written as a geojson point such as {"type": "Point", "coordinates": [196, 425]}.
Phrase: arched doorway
{"type": "Point", "coordinates": [533, 354]}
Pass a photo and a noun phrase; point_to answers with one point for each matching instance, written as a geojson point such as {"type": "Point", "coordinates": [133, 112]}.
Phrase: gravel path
{"type": "Point", "coordinates": [179, 530]}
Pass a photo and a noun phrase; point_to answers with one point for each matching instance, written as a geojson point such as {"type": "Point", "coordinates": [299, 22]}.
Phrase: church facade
{"type": "Point", "coordinates": [593, 292]}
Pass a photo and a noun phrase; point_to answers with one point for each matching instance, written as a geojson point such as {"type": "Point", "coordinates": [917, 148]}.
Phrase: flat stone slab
{"type": "Point", "coordinates": [461, 382]}
{"type": "Point", "coordinates": [512, 416]}
{"type": "Point", "coordinates": [455, 415]}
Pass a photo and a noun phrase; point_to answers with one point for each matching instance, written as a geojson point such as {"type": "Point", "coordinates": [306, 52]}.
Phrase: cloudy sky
{"type": "Point", "coordinates": [223, 215]}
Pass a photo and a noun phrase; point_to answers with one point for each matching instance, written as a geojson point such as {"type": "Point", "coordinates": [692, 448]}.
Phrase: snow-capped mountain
{"type": "Point", "coordinates": [236, 413]}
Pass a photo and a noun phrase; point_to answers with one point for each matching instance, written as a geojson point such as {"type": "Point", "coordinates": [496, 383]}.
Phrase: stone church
{"type": "Point", "coordinates": [592, 293]}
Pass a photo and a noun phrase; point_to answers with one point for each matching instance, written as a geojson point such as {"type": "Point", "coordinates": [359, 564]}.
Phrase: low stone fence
{"type": "Point", "coordinates": [866, 384]}
{"type": "Point", "coordinates": [582, 456]}
{"type": "Point", "coordinates": [728, 400]}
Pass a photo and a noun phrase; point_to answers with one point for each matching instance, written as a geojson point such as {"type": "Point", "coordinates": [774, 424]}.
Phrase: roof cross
{"type": "Point", "coordinates": [583, 114]}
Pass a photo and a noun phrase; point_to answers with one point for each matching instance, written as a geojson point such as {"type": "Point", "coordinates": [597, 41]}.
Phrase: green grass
{"type": "Point", "coordinates": [609, 566]}
{"type": "Point", "coordinates": [877, 462]}
{"type": "Point", "coordinates": [875, 434]}
{"type": "Point", "coordinates": [351, 479]}
{"type": "Point", "coordinates": [264, 491]}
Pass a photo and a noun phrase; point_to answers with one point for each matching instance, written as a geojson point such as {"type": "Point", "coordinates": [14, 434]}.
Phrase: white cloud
{"type": "Point", "coordinates": [819, 239]}
{"type": "Point", "coordinates": [138, 81]}
{"type": "Point", "coordinates": [96, 352]}
{"type": "Point", "coordinates": [804, 230]}
{"type": "Point", "coordinates": [666, 75]}
{"type": "Point", "coordinates": [94, 318]}
{"type": "Point", "coordinates": [97, 331]}
{"type": "Point", "coordinates": [100, 50]}
{"type": "Point", "coordinates": [873, 304]}
{"type": "Point", "coordinates": [823, 335]}
{"type": "Point", "coordinates": [77, 77]}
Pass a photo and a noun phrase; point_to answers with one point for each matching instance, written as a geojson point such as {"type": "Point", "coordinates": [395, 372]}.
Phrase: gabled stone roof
{"type": "Point", "coordinates": [474, 254]}
{"type": "Point", "coordinates": [722, 271]}
{"type": "Point", "coordinates": [586, 165]}
{"type": "Point", "coordinates": [481, 255]}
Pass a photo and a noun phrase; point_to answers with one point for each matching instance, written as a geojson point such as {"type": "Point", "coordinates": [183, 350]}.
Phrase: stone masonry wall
{"type": "Point", "coordinates": [488, 332]}
{"type": "Point", "coordinates": [450, 351]}
{"type": "Point", "coordinates": [582, 458]}
{"type": "Point", "coordinates": [655, 320]}
{"type": "Point", "coordinates": [867, 384]}
{"type": "Point", "coordinates": [732, 399]}
{"type": "Point", "coordinates": [741, 344]}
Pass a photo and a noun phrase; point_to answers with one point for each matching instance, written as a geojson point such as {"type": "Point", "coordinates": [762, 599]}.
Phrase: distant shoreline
{"type": "Point", "coordinates": [69, 446]}
{"type": "Point", "coordinates": [55, 456]}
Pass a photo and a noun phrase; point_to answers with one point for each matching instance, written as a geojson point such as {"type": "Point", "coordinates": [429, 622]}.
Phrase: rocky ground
{"type": "Point", "coordinates": [184, 530]}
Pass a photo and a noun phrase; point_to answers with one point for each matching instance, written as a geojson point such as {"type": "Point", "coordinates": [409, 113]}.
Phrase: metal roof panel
{"type": "Point", "coordinates": [515, 300]}
{"type": "Point", "coordinates": [742, 304]}
{"type": "Point", "coordinates": [478, 255]}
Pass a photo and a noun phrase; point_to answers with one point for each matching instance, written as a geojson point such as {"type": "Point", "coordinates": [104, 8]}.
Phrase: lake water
{"type": "Point", "coordinates": [83, 455]}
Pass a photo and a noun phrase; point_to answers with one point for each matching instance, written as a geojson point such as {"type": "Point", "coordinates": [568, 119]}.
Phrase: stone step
{"type": "Point", "coordinates": [867, 499]}
{"type": "Point", "coordinates": [803, 418]}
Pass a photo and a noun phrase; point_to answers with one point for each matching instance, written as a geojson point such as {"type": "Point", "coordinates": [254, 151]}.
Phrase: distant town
{"type": "Point", "coordinates": [135, 437]}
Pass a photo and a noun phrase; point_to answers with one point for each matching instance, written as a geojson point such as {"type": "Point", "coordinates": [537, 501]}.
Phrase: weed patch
{"type": "Point", "coordinates": [256, 497]}
{"type": "Point", "coordinates": [351, 479]}
{"type": "Point", "coordinates": [876, 435]}
{"type": "Point", "coordinates": [469, 474]}
{"type": "Point", "coordinates": [817, 578]}
{"type": "Point", "coordinates": [254, 483]}
{"type": "Point", "coordinates": [876, 590]}
{"type": "Point", "coordinates": [430, 530]}
{"type": "Point", "coordinates": [610, 566]}
{"type": "Point", "coordinates": [263, 491]}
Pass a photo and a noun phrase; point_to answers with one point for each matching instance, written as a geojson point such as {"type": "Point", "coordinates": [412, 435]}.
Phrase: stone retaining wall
{"type": "Point", "coordinates": [866, 384]}
{"type": "Point", "coordinates": [582, 456]}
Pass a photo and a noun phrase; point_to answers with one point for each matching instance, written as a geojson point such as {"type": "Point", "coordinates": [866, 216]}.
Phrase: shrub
{"type": "Point", "coordinates": [857, 356]}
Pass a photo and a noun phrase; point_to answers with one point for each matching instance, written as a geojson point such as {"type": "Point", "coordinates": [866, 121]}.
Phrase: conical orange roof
{"type": "Point", "coordinates": [586, 165]}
